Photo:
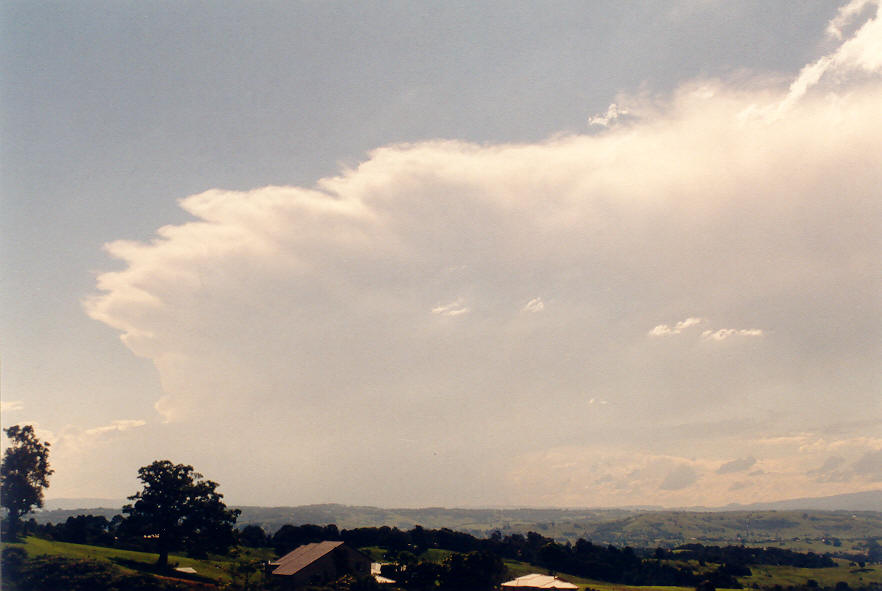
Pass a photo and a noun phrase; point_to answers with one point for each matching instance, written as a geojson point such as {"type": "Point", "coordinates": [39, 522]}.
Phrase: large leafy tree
{"type": "Point", "coordinates": [24, 474]}
{"type": "Point", "coordinates": [180, 510]}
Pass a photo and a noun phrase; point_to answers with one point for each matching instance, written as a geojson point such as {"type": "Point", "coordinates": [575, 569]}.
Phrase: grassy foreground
{"type": "Point", "coordinates": [219, 569]}
{"type": "Point", "coordinates": [224, 570]}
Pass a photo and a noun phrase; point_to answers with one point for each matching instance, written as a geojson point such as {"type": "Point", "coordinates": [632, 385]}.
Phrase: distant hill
{"type": "Point", "coordinates": [798, 529]}
{"type": "Point", "coordinates": [870, 500]}
{"type": "Point", "coordinates": [804, 523]}
{"type": "Point", "coordinates": [81, 503]}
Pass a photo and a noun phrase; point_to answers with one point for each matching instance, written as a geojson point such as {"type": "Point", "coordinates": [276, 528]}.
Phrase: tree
{"type": "Point", "coordinates": [24, 474]}
{"type": "Point", "coordinates": [253, 536]}
{"type": "Point", "coordinates": [180, 510]}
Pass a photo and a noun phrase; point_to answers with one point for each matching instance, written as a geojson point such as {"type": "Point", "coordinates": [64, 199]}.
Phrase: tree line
{"type": "Point", "coordinates": [743, 555]}
{"type": "Point", "coordinates": [608, 563]}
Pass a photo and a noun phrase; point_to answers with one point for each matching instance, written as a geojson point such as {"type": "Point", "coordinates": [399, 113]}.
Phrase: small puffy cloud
{"type": "Point", "coordinates": [118, 425]}
{"type": "Point", "coordinates": [604, 120]}
{"type": "Point", "coordinates": [662, 330]}
{"type": "Point", "coordinates": [454, 308]}
{"type": "Point", "coordinates": [534, 305]}
{"type": "Point", "coordinates": [738, 465]}
{"type": "Point", "coordinates": [725, 333]}
{"type": "Point", "coordinates": [680, 477]}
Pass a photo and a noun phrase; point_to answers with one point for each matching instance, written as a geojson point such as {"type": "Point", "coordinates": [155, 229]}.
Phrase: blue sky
{"type": "Point", "coordinates": [406, 258]}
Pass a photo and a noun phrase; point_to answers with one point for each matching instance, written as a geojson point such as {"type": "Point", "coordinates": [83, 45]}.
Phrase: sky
{"type": "Point", "coordinates": [460, 254]}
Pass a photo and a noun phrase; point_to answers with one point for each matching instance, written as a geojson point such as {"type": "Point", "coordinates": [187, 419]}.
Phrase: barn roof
{"type": "Point", "coordinates": [302, 556]}
{"type": "Point", "coordinates": [536, 581]}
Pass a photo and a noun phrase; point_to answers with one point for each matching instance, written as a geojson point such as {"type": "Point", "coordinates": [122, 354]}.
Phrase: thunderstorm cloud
{"type": "Point", "coordinates": [397, 301]}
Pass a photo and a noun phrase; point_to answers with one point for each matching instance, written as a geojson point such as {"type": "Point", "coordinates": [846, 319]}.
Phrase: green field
{"type": "Point", "coordinates": [803, 531]}
{"type": "Point", "coordinates": [217, 569]}
{"type": "Point", "coordinates": [764, 575]}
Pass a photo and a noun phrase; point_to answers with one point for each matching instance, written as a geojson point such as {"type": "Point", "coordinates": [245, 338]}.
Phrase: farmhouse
{"type": "Point", "coordinates": [536, 581]}
{"type": "Point", "coordinates": [319, 563]}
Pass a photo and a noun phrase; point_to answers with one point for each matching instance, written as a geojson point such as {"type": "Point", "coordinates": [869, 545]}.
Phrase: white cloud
{"type": "Point", "coordinates": [862, 52]}
{"type": "Point", "coordinates": [74, 441]}
{"type": "Point", "coordinates": [846, 14]}
{"type": "Point", "coordinates": [534, 305]}
{"type": "Point", "coordinates": [724, 333]}
{"type": "Point", "coordinates": [454, 308]}
{"type": "Point", "coordinates": [662, 330]}
{"type": "Point", "coordinates": [604, 120]}
{"type": "Point", "coordinates": [118, 425]}
{"type": "Point", "coordinates": [280, 310]}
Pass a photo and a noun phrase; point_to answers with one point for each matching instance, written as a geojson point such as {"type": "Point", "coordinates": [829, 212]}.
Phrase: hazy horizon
{"type": "Point", "coordinates": [446, 254]}
{"type": "Point", "coordinates": [71, 504]}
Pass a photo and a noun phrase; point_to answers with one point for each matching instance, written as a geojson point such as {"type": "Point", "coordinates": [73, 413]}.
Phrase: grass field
{"type": "Point", "coordinates": [765, 576]}
{"type": "Point", "coordinates": [217, 569]}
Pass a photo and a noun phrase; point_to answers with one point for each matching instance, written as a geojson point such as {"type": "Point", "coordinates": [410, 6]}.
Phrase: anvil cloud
{"type": "Point", "coordinates": [373, 328]}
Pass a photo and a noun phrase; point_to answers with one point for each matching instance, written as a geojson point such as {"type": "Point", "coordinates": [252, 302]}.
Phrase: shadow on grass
{"type": "Point", "coordinates": [169, 571]}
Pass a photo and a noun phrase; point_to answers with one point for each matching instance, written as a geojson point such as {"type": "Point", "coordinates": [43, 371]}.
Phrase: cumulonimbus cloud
{"type": "Point", "coordinates": [285, 302]}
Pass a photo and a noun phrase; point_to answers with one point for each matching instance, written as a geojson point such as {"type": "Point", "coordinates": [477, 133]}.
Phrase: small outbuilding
{"type": "Point", "coordinates": [537, 581]}
{"type": "Point", "coordinates": [376, 572]}
{"type": "Point", "coordinates": [319, 563]}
